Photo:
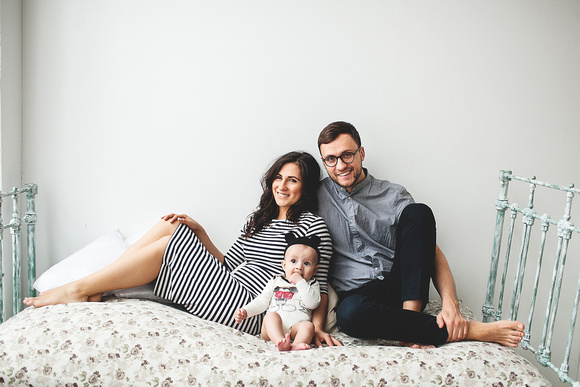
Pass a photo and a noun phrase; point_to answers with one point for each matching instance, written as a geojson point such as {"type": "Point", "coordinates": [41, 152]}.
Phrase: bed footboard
{"type": "Point", "coordinates": [548, 288]}
{"type": "Point", "coordinates": [15, 226]}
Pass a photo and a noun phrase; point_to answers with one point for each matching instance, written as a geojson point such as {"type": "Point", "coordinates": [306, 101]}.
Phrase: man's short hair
{"type": "Point", "coordinates": [335, 129]}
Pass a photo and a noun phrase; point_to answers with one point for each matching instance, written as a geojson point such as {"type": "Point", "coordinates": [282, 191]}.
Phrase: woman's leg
{"type": "Point", "coordinates": [137, 266]}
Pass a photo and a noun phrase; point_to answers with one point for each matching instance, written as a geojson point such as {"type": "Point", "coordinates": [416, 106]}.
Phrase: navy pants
{"type": "Point", "coordinates": [375, 309]}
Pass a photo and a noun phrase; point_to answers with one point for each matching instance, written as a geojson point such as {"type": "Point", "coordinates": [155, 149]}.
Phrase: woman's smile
{"type": "Point", "coordinates": [287, 188]}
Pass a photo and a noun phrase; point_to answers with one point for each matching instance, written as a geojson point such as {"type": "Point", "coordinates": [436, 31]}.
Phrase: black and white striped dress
{"type": "Point", "coordinates": [192, 277]}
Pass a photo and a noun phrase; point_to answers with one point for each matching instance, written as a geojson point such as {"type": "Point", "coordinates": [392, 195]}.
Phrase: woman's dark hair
{"type": "Point", "coordinates": [335, 129]}
{"type": "Point", "coordinates": [268, 209]}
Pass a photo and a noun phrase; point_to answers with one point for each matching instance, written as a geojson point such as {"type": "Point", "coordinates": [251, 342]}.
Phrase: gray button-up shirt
{"type": "Point", "coordinates": [363, 227]}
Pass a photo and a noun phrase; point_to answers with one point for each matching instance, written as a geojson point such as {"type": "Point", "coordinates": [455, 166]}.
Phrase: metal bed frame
{"type": "Point", "coordinates": [496, 291]}
{"type": "Point", "coordinates": [15, 227]}
{"type": "Point", "coordinates": [564, 229]}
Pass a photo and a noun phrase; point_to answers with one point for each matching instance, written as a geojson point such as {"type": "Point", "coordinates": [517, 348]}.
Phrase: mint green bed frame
{"type": "Point", "coordinates": [562, 231]}
{"type": "Point", "coordinates": [15, 226]}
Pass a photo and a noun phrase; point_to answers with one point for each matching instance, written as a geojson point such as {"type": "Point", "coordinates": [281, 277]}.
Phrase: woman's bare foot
{"type": "Point", "coordinates": [95, 298]}
{"type": "Point", "coordinates": [504, 332]}
{"type": "Point", "coordinates": [61, 295]}
{"type": "Point", "coordinates": [299, 346]}
{"type": "Point", "coordinates": [284, 344]}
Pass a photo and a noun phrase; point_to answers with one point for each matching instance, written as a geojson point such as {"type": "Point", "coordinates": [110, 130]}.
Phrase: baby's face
{"type": "Point", "coordinates": [300, 259]}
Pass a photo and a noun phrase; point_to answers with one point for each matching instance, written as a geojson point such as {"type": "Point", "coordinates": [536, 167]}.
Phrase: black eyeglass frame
{"type": "Point", "coordinates": [340, 157]}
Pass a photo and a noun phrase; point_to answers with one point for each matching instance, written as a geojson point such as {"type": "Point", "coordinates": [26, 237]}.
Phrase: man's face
{"type": "Point", "coordinates": [346, 175]}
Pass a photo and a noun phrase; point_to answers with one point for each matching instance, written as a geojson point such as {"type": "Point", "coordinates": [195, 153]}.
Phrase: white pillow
{"type": "Point", "coordinates": [87, 260]}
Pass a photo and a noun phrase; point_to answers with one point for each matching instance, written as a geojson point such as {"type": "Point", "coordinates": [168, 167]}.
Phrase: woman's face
{"type": "Point", "coordinates": [287, 188]}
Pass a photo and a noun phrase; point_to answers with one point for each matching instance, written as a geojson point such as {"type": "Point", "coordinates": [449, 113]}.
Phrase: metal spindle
{"type": "Point", "coordinates": [501, 206]}
{"type": "Point", "coordinates": [514, 214]}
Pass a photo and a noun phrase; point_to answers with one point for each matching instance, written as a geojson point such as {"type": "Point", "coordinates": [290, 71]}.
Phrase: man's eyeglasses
{"type": "Point", "coordinates": [346, 157]}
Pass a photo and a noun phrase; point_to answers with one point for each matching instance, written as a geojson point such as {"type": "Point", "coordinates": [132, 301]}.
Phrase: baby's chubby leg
{"type": "Point", "coordinates": [302, 334]}
{"type": "Point", "coordinates": [272, 330]}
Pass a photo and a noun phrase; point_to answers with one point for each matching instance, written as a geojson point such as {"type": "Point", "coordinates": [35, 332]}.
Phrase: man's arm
{"type": "Point", "coordinates": [319, 321]}
{"type": "Point", "coordinates": [450, 316]}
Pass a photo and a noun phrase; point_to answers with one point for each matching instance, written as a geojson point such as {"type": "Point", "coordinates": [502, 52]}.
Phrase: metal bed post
{"type": "Point", "coordinates": [501, 206]}
{"type": "Point", "coordinates": [564, 368]}
{"type": "Point", "coordinates": [30, 219]}
{"type": "Point", "coordinates": [15, 228]}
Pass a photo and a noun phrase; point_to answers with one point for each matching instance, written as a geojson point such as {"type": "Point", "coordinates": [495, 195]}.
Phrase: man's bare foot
{"type": "Point", "coordinates": [415, 346]}
{"type": "Point", "coordinates": [284, 344]}
{"type": "Point", "coordinates": [504, 332]}
{"type": "Point", "coordinates": [61, 295]}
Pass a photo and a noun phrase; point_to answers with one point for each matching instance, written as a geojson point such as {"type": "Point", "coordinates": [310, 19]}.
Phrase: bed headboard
{"type": "Point", "coordinates": [544, 296]}
{"type": "Point", "coordinates": [15, 226]}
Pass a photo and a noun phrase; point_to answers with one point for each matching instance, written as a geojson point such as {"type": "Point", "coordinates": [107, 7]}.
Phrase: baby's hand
{"type": "Point", "coordinates": [295, 278]}
{"type": "Point", "coordinates": [240, 315]}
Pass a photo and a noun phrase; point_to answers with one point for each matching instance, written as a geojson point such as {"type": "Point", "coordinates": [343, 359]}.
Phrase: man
{"type": "Point", "coordinates": [385, 255]}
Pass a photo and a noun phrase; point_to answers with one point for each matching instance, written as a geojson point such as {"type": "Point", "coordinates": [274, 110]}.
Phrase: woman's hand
{"type": "Point", "coordinates": [182, 218]}
{"type": "Point", "coordinates": [321, 337]}
{"type": "Point", "coordinates": [199, 232]}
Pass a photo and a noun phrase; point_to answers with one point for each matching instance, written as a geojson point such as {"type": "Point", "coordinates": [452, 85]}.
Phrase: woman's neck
{"type": "Point", "coordinates": [282, 213]}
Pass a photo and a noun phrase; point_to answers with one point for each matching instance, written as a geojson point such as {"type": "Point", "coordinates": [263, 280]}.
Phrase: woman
{"type": "Point", "coordinates": [192, 272]}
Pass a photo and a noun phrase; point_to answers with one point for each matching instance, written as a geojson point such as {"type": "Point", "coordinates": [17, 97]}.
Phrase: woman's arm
{"type": "Point", "coordinates": [319, 321]}
{"type": "Point", "coordinates": [199, 232]}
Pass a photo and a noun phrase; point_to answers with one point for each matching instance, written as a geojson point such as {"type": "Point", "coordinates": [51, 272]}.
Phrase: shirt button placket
{"type": "Point", "coordinates": [352, 224]}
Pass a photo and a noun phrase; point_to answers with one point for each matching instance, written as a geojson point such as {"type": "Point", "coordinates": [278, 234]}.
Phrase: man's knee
{"type": "Point", "coordinates": [418, 212]}
{"type": "Point", "coordinates": [352, 315]}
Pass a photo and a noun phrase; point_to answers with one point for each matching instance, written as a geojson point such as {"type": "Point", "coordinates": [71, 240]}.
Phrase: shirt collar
{"type": "Point", "coordinates": [342, 192]}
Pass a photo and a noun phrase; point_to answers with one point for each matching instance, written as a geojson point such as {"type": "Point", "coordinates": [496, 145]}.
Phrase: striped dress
{"type": "Point", "coordinates": [192, 277]}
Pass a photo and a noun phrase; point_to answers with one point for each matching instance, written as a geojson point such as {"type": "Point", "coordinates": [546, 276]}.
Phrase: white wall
{"type": "Point", "coordinates": [10, 123]}
{"type": "Point", "coordinates": [11, 95]}
{"type": "Point", "coordinates": [133, 109]}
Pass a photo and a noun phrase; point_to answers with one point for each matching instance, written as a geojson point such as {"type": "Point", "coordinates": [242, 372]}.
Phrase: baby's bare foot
{"type": "Point", "coordinates": [299, 346]}
{"type": "Point", "coordinates": [284, 344]}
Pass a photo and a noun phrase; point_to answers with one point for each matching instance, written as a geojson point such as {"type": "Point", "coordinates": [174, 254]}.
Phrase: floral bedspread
{"type": "Point", "coordinates": [136, 342]}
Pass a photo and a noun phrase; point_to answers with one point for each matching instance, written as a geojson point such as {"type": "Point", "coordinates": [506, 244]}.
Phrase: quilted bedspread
{"type": "Point", "coordinates": [137, 342]}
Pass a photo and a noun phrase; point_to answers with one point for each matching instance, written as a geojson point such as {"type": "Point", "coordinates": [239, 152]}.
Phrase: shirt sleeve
{"type": "Point", "coordinates": [403, 199]}
{"type": "Point", "coordinates": [261, 302]}
{"type": "Point", "coordinates": [309, 293]}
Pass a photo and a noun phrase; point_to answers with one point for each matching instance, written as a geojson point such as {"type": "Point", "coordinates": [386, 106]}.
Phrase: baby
{"type": "Point", "coordinates": [289, 299]}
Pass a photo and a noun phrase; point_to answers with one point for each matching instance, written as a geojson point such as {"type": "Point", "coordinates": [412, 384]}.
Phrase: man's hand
{"type": "Point", "coordinates": [321, 337]}
{"type": "Point", "coordinates": [451, 317]}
